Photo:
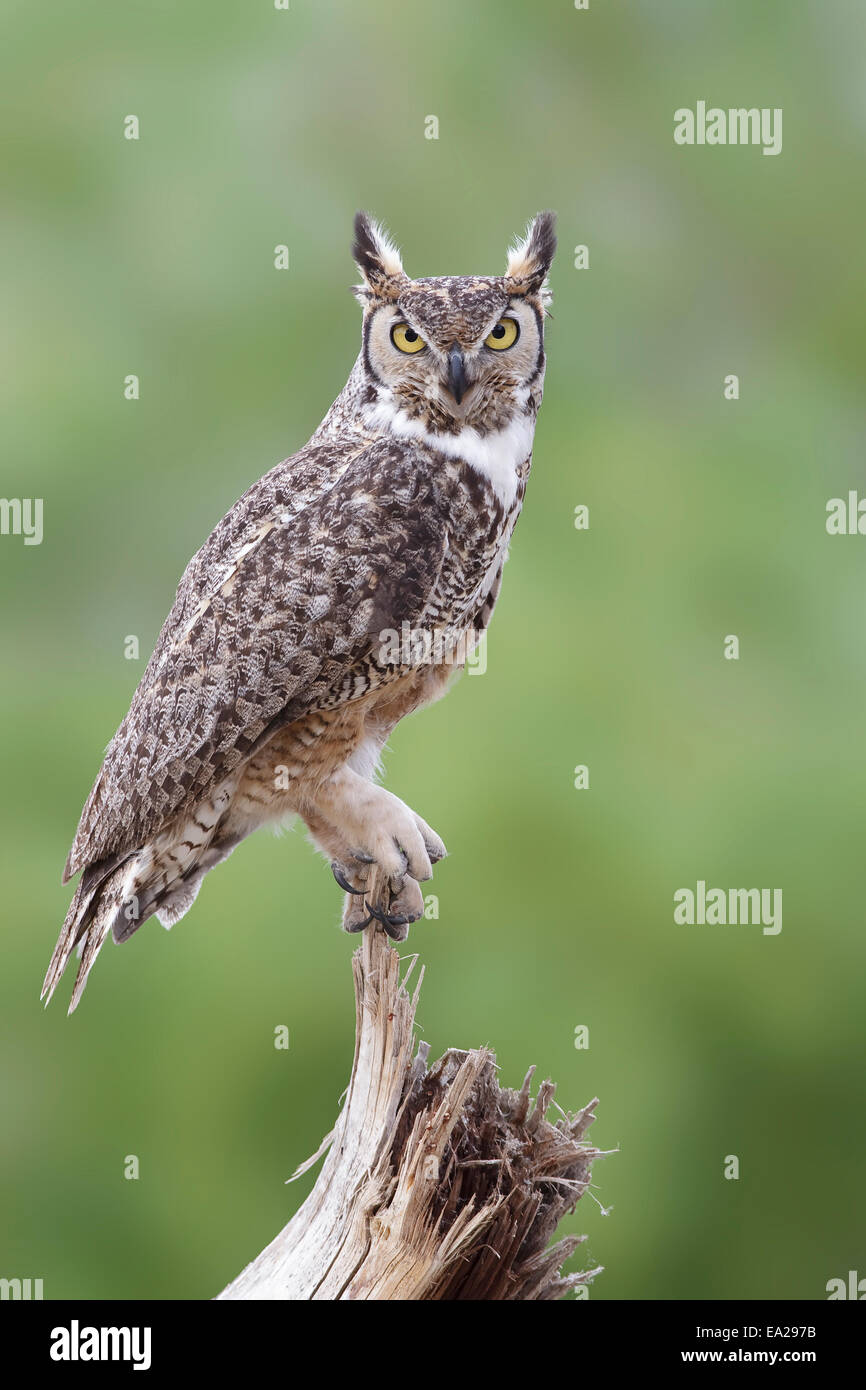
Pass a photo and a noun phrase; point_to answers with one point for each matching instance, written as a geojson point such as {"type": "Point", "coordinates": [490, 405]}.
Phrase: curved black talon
{"type": "Point", "coordinates": [397, 920]}
{"type": "Point", "coordinates": [398, 927]}
{"type": "Point", "coordinates": [395, 924]}
{"type": "Point", "coordinates": [344, 883]}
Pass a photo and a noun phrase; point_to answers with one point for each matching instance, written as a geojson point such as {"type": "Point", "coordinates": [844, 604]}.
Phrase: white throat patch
{"type": "Point", "coordinates": [496, 456]}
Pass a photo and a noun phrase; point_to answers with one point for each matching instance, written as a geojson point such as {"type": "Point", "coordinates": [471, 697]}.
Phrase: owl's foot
{"type": "Point", "coordinates": [378, 901]}
{"type": "Point", "coordinates": [379, 849]}
{"type": "Point", "coordinates": [387, 892]}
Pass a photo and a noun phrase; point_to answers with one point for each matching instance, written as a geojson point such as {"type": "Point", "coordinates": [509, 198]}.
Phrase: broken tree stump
{"type": "Point", "coordinates": [438, 1183]}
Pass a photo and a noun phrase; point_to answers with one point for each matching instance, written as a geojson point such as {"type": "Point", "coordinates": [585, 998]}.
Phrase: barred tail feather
{"type": "Point", "coordinates": [87, 924]}
{"type": "Point", "coordinates": [118, 894]}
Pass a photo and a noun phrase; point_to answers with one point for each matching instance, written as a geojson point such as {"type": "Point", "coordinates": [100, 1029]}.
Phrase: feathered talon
{"type": "Point", "coordinates": [344, 883]}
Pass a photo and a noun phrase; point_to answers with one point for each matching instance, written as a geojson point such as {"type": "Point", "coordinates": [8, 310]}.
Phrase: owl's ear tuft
{"type": "Point", "coordinates": [530, 259]}
{"type": "Point", "coordinates": [378, 260]}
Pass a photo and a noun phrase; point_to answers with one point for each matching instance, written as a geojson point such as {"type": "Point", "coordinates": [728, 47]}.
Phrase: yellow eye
{"type": "Point", "coordinates": [504, 335]}
{"type": "Point", "coordinates": [406, 339]}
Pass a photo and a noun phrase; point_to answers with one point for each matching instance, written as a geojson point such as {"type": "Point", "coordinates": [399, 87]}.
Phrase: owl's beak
{"type": "Point", "coordinates": [457, 383]}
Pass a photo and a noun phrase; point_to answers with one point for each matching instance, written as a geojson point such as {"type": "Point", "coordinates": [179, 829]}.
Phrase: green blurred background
{"type": "Point", "coordinates": [260, 127]}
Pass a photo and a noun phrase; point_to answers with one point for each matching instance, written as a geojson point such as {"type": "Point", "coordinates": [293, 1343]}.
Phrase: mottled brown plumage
{"type": "Point", "coordinates": [271, 691]}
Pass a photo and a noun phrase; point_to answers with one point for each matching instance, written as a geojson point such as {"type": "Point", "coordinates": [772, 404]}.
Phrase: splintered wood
{"type": "Point", "coordinates": [439, 1183]}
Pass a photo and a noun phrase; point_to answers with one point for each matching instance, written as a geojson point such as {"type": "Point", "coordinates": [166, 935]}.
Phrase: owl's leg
{"type": "Point", "coordinates": [379, 849]}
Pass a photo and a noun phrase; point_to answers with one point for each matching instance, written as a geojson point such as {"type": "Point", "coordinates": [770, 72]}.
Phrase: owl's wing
{"type": "Point", "coordinates": [274, 618]}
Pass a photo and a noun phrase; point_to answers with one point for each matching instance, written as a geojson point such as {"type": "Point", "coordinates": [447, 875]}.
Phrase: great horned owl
{"type": "Point", "coordinates": [272, 689]}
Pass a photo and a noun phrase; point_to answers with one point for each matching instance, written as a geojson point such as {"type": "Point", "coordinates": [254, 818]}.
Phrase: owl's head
{"type": "Point", "coordinates": [454, 351]}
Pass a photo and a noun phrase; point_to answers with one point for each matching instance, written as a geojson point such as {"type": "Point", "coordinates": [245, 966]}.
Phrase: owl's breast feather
{"type": "Point", "coordinates": [496, 456]}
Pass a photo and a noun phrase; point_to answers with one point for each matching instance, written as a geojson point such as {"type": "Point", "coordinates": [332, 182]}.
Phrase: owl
{"type": "Point", "coordinates": [337, 596]}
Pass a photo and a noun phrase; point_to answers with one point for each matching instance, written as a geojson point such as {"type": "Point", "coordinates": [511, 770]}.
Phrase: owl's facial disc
{"type": "Point", "coordinates": [453, 353]}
